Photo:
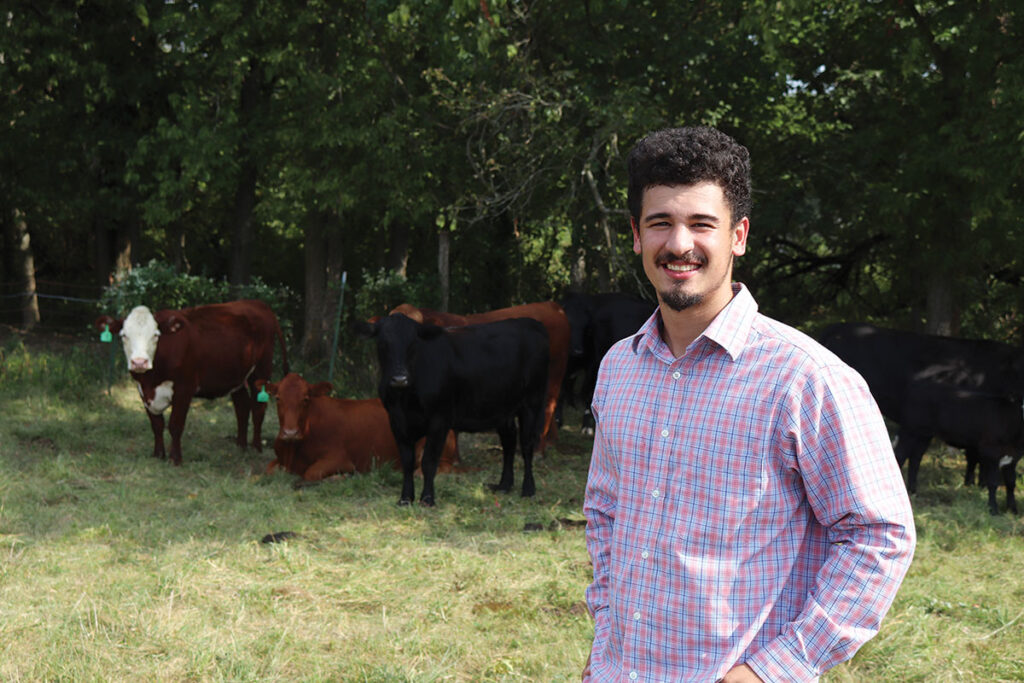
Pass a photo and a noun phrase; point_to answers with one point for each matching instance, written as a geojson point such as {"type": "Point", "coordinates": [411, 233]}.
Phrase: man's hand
{"type": "Point", "coordinates": [741, 674]}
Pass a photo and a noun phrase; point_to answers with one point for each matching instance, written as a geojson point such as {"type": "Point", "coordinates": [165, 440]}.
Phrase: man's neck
{"type": "Point", "coordinates": [680, 328]}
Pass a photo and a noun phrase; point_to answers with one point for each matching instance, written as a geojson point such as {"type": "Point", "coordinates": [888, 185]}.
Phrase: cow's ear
{"type": "Point", "coordinates": [321, 389]}
{"type": "Point", "coordinates": [365, 328]}
{"type": "Point", "coordinates": [172, 324]}
{"type": "Point", "coordinates": [105, 322]}
{"type": "Point", "coordinates": [429, 331]}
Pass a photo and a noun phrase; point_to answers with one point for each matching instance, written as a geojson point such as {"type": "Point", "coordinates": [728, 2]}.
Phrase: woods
{"type": "Point", "coordinates": [474, 149]}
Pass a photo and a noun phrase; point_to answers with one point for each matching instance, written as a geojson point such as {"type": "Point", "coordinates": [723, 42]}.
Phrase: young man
{"type": "Point", "coordinates": [746, 518]}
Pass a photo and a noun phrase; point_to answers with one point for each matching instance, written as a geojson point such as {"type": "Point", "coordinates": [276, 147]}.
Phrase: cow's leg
{"type": "Point", "coordinates": [429, 462]}
{"type": "Point", "coordinates": [972, 464]}
{"type": "Point", "coordinates": [991, 471]}
{"type": "Point", "coordinates": [179, 411]}
{"type": "Point", "coordinates": [528, 426]}
{"type": "Point", "coordinates": [911, 447]}
{"type": "Point", "coordinates": [407, 456]}
{"type": "Point", "coordinates": [507, 435]}
{"type": "Point", "coordinates": [240, 399]}
{"type": "Point", "coordinates": [156, 423]}
{"type": "Point", "coordinates": [259, 411]}
{"type": "Point", "coordinates": [1008, 467]}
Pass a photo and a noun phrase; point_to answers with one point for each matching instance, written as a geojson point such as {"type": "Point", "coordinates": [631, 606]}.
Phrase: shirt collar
{"type": "Point", "coordinates": [730, 329]}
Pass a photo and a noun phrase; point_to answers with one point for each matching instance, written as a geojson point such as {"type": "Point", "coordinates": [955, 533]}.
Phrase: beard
{"type": "Point", "coordinates": [677, 298]}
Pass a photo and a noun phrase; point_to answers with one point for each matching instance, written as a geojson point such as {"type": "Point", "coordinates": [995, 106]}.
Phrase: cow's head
{"type": "Point", "coordinates": [397, 339]}
{"type": "Point", "coordinates": [293, 394]}
{"type": "Point", "coordinates": [139, 336]}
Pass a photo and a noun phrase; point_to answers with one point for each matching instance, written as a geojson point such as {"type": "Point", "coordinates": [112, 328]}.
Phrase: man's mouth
{"type": "Point", "coordinates": [682, 267]}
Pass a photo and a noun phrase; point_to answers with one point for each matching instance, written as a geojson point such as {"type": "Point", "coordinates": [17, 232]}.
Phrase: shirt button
{"type": "Point", "coordinates": [636, 616]}
{"type": "Point", "coordinates": [664, 432]}
{"type": "Point", "coordinates": [676, 375]}
{"type": "Point", "coordinates": [632, 675]}
{"type": "Point", "coordinates": [655, 493]}
{"type": "Point", "coordinates": [644, 554]}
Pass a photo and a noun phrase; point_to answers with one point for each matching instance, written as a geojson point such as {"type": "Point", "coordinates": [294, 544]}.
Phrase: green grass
{"type": "Point", "coordinates": [116, 566]}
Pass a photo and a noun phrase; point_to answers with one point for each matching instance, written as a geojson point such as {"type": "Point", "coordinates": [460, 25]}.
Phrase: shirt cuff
{"type": "Point", "coordinates": [779, 662]}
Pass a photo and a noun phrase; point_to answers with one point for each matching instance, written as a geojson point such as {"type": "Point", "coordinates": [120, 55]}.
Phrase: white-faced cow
{"type": "Point", "coordinates": [892, 361]}
{"type": "Point", "coordinates": [205, 351]}
{"type": "Point", "coordinates": [468, 379]}
{"type": "Point", "coordinates": [320, 436]}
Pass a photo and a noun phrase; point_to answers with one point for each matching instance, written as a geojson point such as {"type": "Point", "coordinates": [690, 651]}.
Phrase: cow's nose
{"type": "Point", "coordinates": [140, 364]}
{"type": "Point", "coordinates": [399, 381]}
{"type": "Point", "coordinates": [290, 434]}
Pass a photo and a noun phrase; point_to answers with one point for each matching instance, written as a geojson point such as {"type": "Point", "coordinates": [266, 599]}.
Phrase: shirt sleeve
{"type": "Point", "coordinates": [599, 510]}
{"type": "Point", "coordinates": [855, 490]}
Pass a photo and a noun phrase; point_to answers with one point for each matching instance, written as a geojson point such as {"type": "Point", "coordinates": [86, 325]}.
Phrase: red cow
{"type": "Point", "coordinates": [554, 320]}
{"type": "Point", "coordinates": [321, 436]}
{"type": "Point", "coordinates": [206, 351]}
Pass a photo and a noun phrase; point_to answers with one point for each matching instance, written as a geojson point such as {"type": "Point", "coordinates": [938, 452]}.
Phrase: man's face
{"type": "Point", "coordinates": [687, 242]}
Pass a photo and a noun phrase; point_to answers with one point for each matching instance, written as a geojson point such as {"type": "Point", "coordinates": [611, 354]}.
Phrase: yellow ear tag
{"type": "Point", "coordinates": [105, 335]}
{"type": "Point", "coordinates": [263, 396]}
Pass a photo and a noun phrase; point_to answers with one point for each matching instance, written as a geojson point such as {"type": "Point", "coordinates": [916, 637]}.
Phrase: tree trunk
{"type": "Point", "coordinates": [398, 249]}
{"type": "Point", "coordinates": [245, 193]}
{"type": "Point", "coordinates": [30, 308]}
{"type": "Point", "coordinates": [444, 237]}
{"type": "Point", "coordinates": [942, 318]}
{"type": "Point", "coordinates": [313, 329]}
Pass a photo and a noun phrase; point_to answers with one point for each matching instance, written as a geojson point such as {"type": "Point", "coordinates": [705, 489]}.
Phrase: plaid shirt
{"type": "Point", "coordinates": [743, 505]}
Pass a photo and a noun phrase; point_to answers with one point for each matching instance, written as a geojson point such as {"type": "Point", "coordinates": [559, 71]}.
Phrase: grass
{"type": "Point", "coordinates": [115, 566]}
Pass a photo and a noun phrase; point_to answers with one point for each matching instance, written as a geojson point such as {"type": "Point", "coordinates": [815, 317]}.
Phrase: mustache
{"type": "Point", "coordinates": [691, 256]}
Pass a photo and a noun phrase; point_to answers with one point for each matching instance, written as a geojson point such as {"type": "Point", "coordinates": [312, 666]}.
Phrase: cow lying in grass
{"type": "Point", "coordinates": [320, 436]}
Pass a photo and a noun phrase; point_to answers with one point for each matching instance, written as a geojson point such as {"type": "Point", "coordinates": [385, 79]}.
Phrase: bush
{"type": "Point", "coordinates": [158, 286]}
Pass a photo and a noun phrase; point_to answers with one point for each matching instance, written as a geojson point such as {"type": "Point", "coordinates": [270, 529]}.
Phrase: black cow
{"type": "Point", "coordinates": [596, 322]}
{"type": "Point", "coordinates": [468, 379]}
{"type": "Point", "coordinates": [892, 360]}
{"type": "Point", "coordinates": [991, 426]}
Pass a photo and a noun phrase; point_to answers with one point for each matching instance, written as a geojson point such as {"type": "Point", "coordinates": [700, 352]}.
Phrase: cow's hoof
{"type": "Point", "coordinates": [404, 502]}
{"type": "Point", "coordinates": [427, 502]}
{"type": "Point", "coordinates": [529, 493]}
{"type": "Point", "coordinates": [499, 488]}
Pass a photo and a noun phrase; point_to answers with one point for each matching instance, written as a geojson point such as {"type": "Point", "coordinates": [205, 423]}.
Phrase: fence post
{"type": "Point", "coordinates": [337, 326]}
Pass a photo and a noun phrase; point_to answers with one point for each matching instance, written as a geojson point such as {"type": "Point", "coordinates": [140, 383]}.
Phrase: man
{"type": "Point", "coordinates": [745, 515]}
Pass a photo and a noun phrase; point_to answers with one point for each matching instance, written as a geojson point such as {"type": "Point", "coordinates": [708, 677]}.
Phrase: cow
{"type": "Point", "coordinates": [320, 436]}
{"type": "Point", "coordinates": [482, 377]}
{"type": "Point", "coordinates": [555, 322]}
{"type": "Point", "coordinates": [596, 322]}
{"type": "Point", "coordinates": [991, 426]}
{"type": "Point", "coordinates": [891, 360]}
{"type": "Point", "coordinates": [206, 351]}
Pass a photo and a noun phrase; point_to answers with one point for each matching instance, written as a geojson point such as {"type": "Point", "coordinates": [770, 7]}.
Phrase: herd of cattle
{"type": "Point", "coordinates": [509, 371]}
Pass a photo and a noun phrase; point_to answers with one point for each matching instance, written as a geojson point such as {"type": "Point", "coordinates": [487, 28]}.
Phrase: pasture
{"type": "Point", "coordinates": [116, 566]}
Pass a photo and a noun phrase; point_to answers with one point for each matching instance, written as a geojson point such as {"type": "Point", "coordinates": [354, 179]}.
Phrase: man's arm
{"type": "Point", "coordinates": [599, 510]}
{"type": "Point", "coordinates": [856, 491]}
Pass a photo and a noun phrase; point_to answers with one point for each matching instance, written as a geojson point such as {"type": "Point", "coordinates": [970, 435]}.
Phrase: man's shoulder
{"type": "Point", "coordinates": [791, 346]}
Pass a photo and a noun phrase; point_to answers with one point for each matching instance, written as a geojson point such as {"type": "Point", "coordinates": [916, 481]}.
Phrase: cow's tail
{"type": "Point", "coordinates": [284, 352]}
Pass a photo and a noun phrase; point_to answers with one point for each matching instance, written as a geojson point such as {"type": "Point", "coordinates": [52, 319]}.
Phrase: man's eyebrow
{"type": "Point", "coordinates": [704, 217]}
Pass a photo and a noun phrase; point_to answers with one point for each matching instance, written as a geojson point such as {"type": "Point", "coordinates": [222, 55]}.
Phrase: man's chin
{"type": "Point", "coordinates": [678, 300]}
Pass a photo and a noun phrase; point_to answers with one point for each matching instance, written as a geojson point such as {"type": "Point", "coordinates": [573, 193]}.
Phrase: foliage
{"type": "Point", "coordinates": [159, 286]}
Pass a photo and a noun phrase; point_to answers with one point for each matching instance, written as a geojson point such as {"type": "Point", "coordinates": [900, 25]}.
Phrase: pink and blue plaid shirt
{"type": "Point", "coordinates": [743, 505]}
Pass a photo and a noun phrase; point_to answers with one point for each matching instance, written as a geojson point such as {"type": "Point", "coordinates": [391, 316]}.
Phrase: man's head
{"type": "Point", "coordinates": [689, 198]}
{"type": "Point", "coordinates": [686, 156]}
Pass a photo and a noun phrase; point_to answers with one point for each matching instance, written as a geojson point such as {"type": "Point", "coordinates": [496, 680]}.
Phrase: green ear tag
{"type": "Point", "coordinates": [263, 396]}
{"type": "Point", "coordinates": [105, 335]}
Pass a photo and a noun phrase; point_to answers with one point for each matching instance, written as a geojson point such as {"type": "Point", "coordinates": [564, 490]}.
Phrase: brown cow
{"type": "Point", "coordinates": [320, 436]}
{"type": "Point", "coordinates": [206, 351]}
{"type": "Point", "coordinates": [547, 312]}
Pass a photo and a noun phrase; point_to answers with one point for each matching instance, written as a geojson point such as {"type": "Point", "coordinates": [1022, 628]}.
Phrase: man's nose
{"type": "Point", "coordinates": [679, 240]}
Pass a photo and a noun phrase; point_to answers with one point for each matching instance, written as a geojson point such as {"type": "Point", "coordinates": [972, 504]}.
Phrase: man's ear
{"type": "Point", "coordinates": [739, 237]}
{"type": "Point", "coordinates": [636, 235]}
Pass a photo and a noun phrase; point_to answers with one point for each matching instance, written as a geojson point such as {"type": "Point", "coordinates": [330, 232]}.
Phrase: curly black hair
{"type": "Point", "coordinates": [684, 156]}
